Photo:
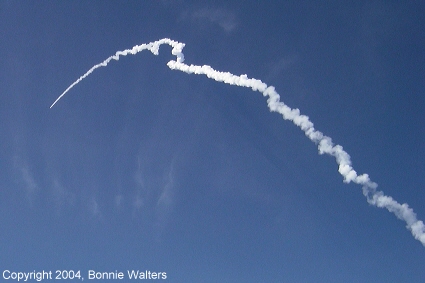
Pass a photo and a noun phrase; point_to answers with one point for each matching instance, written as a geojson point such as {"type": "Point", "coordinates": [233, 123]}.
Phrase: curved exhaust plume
{"type": "Point", "coordinates": [324, 143]}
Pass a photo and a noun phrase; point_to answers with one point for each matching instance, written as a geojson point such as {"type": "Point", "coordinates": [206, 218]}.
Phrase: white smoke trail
{"type": "Point", "coordinates": [325, 144]}
{"type": "Point", "coordinates": [153, 47]}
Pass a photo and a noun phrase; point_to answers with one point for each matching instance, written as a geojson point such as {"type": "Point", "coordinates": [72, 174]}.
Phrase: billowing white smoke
{"type": "Point", "coordinates": [325, 144]}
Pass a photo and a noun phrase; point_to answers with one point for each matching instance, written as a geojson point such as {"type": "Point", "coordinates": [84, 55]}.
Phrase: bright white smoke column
{"type": "Point", "coordinates": [325, 144]}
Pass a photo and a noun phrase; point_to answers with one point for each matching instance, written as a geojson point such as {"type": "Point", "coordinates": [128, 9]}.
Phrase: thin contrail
{"type": "Point", "coordinates": [325, 144]}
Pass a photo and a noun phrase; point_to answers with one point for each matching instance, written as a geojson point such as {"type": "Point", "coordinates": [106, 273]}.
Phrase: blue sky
{"type": "Point", "coordinates": [143, 167]}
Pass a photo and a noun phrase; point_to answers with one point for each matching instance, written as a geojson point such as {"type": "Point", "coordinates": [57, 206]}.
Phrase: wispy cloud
{"type": "Point", "coordinates": [25, 178]}
{"type": "Point", "coordinates": [93, 207]}
{"type": "Point", "coordinates": [138, 199]}
{"type": "Point", "coordinates": [118, 200]}
{"type": "Point", "coordinates": [138, 202]}
{"type": "Point", "coordinates": [224, 18]}
{"type": "Point", "coordinates": [61, 195]}
{"type": "Point", "coordinates": [165, 199]}
{"type": "Point", "coordinates": [165, 203]}
{"type": "Point", "coordinates": [153, 191]}
{"type": "Point", "coordinates": [282, 65]}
